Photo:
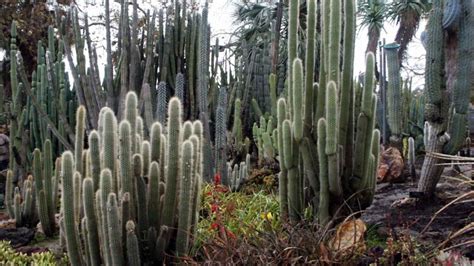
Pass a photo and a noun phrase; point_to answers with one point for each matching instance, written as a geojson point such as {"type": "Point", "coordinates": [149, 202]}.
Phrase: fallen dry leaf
{"type": "Point", "coordinates": [349, 238]}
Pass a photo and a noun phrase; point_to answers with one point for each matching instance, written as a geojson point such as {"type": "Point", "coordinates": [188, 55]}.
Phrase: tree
{"type": "Point", "coordinates": [408, 14]}
{"type": "Point", "coordinates": [372, 14]}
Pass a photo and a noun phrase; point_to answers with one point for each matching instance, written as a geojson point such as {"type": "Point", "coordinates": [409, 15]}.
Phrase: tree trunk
{"type": "Point", "coordinates": [409, 21]}
{"type": "Point", "coordinates": [374, 36]}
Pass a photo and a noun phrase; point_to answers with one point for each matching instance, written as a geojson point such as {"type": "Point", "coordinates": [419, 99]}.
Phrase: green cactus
{"type": "Point", "coordinates": [115, 241]}
{"type": "Point", "coordinates": [328, 124]}
{"type": "Point", "coordinates": [185, 198]}
{"type": "Point", "coordinates": [446, 103]}
{"type": "Point", "coordinates": [220, 142]}
{"type": "Point", "coordinates": [394, 92]}
{"type": "Point", "coordinates": [125, 155]}
{"type": "Point", "coordinates": [173, 155]}
{"type": "Point", "coordinates": [161, 103]}
{"type": "Point", "coordinates": [133, 252]}
{"type": "Point", "coordinates": [70, 219]}
{"type": "Point", "coordinates": [154, 195]}
{"type": "Point", "coordinates": [88, 198]}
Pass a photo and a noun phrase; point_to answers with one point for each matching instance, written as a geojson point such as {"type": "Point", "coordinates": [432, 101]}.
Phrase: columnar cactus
{"type": "Point", "coordinates": [394, 92]}
{"type": "Point", "coordinates": [220, 143]}
{"type": "Point", "coordinates": [108, 212]}
{"type": "Point", "coordinates": [326, 129]}
{"type": "Point", "coordinates": [20, 203]}
{"type": "Point", "coordinates": [446, 128]}
{"type": "Point", "coordinates": [265, 137]}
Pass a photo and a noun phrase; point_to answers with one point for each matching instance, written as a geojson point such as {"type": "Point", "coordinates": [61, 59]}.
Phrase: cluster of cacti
{"type": "Point", "coordinates": [20, 204]}
{"type": "Point", "coordinates": [252, 84]}
{"type": "Point", "coordinates": [317, 119]}
{"type": "Point", "coordinates": [265, 137]}
{"type": "Point", "coordinates": [123, 197]}
{"type": "Point", "coordinates": [45, 112]}
{"type": "Point", "coordinates": [446, 103]}
{"type": "Point", "coordinates": [238, 173]}
{"type": "Point", "coordinates": [46, 187]}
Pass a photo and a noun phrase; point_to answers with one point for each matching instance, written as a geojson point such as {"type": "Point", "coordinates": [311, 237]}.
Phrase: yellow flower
{"type": "Point", "coordinates": [267, 216]}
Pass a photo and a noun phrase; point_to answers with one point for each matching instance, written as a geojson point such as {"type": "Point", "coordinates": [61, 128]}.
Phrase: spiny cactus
{"type": "Point", "coordinates": [238, 173]}
{"type": "Point", "coordinates": [45, 188]}
{"type": "Point", "coordinates": [265, 137]}
{"type": "Point", "coordinates": [220, 143]}
{"type": "Point", "coordinates": [446, 126]}
{"type": "Point", "coordinates": [394, 92]}
{"type": "Point", "coordinates": [19, 204]}
{"type": "Point", "coordinates": [161, 103]}
{"type": "Point", "coordinates": [304, 130]}
{"type": "Point", "coordinates": [108, 212]}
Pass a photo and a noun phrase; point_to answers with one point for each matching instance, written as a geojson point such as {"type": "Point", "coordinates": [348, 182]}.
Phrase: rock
{"type": "Point", "coordinates": [17, 236]}
{"type": "Point", "coordinates": [383, 231]}
{"type": "Point", "coordinates": [391, 166]}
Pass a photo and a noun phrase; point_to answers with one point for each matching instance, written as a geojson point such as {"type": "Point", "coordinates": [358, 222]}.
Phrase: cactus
{"type": "Point", "coordinates": [108, 235]}
{"type": "Point", "coordinates": [70, 219]}
{"type": "Point", "coordinates": [394, 92]}
{"type": "Point", "coordinates": [446, 128]}
{"type": "Point", "coordinates": [20, 205]}
{"type": "Point", "coordinates": [220, 142]}
{"type": "Point", "coordinates": [186, 200]}
{"type": "Point", "coordinates": [133, 252]}
{"type": "Point", "coordinates": [411, 157]}
{"type": "Point", "coordinates": [263, 135]}
{"type": "Point", "coordinates": [238, 173]}
{"type": "Point", "coordinates": [327, 129]}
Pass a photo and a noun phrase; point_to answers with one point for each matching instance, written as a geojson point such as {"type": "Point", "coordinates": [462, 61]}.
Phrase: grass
{"type": "Point", "coordinates": [374, 239]}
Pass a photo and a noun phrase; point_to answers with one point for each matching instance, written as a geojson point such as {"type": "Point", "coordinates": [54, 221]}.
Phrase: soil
{"type": "Point", "coordinates": [394, 212]}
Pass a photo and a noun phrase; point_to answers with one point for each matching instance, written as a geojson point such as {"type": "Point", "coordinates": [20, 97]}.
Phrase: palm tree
{"type": "Point", "coordinates": [372, 14]}
{"type": "Point", "coordinates": [408, 14]}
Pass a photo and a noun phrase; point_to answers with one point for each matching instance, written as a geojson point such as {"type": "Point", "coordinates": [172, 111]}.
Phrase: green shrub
{"type": "Point", "coordinates": [8, 256]}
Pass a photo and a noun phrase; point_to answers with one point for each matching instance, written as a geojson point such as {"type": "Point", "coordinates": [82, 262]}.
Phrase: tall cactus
{"type": "Point", "coordinates": [108, 213]}
{"type": "Point", "coordinates": [446, 128]}
{"type": "Point", "coordinates": [220, 143]}
{"type": "Point", "coordinates": [303, 133]}
{"type": "Point", "coordinates": [394, 92]}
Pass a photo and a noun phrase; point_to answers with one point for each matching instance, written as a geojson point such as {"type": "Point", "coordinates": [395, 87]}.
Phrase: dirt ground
{"type": "Point", "coordinates": [393, 212]}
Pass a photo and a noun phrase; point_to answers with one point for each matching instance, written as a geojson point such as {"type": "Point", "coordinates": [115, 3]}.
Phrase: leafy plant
{"type": "Point", "coordinates": [235, 215]}
{"type": "Point", "coordinates": [8, 256]}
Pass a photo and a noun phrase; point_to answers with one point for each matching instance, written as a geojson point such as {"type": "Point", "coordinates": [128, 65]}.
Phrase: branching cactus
{"type": "Point", "coordinates": [265, 137]}
{"type": "Point", "coordinates": [446, 127]}
{"type": "Point", "coordinates": [99, 227]}
{"type": "Point", "coordinates": [322, 136]}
